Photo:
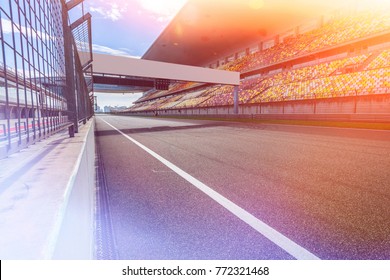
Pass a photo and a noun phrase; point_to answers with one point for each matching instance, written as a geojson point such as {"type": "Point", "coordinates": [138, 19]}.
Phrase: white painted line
{"type": "Point", "coordinates": [273, 235]}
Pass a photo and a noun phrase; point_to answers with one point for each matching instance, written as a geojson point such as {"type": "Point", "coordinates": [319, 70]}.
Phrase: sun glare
{"type": "Point", "coordinates": [256, 4]}
{"type": "Point", "coordinates": [372, 4]}
{"type": "Point", "coordinates": [164, 10]}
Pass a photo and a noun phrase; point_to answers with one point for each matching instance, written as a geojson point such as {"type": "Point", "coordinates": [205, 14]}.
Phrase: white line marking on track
{"type": "Point", "coordinates": [273, 235]}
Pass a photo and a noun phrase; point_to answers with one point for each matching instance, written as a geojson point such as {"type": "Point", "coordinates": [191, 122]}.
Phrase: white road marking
{"type": "Point", "coordinates": [161, 171]}
{"type": "Point", "coordinates": [273, 235]}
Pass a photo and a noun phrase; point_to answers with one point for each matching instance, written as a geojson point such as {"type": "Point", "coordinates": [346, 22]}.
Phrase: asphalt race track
{"type": "Point", "coordinates": [190, 189]}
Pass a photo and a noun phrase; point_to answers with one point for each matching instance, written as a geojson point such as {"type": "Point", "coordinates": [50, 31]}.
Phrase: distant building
{"type": "Point", "coordinates": [110, 109]}
{"type": "Point", "coordinates": [98, 109]}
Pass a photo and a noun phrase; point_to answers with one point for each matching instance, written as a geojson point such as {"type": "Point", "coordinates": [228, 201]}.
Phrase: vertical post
{"type": "Point", "coordinates": [261, 46]}
{"type": "Point", "coordinates": [235, 98]}
{"type": "Point", "coordinates": [70, 89]}
{"type": "Point", "coordinates": [7, 103]}
{"type": "Point", "coordinates": [96, 104]}
{"type": "Point", "coordinates": [15, 66]}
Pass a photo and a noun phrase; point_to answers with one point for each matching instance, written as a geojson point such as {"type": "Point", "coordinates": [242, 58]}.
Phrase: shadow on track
{"type": "Point", "coordinates": [156, 129]}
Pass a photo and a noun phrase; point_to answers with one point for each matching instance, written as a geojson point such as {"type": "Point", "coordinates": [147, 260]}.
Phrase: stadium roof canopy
{"type": "Point", "coordinates": [206, 30]}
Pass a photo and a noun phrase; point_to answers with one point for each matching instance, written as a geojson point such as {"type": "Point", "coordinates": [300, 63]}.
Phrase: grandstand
{"type": "Point", "coordinates": [344, 61]}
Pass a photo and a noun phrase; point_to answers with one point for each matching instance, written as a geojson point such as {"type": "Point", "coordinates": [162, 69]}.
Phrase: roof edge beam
{"type": "Point", "coordinates": [73, 3]}
{"type": "Point", "coordinates": [80, 21]}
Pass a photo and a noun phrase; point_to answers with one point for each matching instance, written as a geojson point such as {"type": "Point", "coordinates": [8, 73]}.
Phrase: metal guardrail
{"type": "Point", "coordinates": [31, 128]}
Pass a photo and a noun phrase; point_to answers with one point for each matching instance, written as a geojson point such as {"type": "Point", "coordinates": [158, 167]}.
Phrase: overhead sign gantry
{"type": "Point", "coordinates": [144, 74]}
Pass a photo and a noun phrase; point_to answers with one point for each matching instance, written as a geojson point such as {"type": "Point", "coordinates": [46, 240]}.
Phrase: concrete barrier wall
{"type": "Point", "coordinates": [369, 107]}
{"type": "Point", "coordinates": [76, 236]}
{"type": "Point", "coordinates": [47, 199]}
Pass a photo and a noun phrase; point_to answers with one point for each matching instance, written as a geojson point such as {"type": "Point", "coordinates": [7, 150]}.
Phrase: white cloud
{"type": "Point", "coordinates": [113, 10]}
{"type": "Point", "coordinates": [6, 26]}
{"type": "Point", "coordinates": [161, 11]}
{"type": "Point", "coordinates": [107, 50]}
{"type": "Point", "coordinates": [7, 29]}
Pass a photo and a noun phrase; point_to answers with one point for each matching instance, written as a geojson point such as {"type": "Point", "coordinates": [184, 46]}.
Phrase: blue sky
{"type": "Point", "coordinates": [127, 28]}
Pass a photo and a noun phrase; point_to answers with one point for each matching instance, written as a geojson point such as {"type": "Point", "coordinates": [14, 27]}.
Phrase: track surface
{"type": "Point", "coordinates": [326, 189]}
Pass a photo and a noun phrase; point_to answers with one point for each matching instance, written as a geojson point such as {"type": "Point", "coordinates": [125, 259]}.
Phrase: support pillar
{"type": "Point", "coordinates": [236, 100]}
{"type": "Point", "coordinates": [70, 88]}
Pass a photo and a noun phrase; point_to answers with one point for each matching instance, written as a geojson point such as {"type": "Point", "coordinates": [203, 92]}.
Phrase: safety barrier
{"type": "Point", "coordinates": [52, 190]}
